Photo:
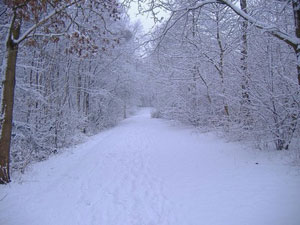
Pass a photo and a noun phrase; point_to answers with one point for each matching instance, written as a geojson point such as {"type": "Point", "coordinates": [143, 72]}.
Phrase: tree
{"type": "Point", "coordinates": [183, 8]}
{"type": "Point", "coordinates": [244, 67]}
{"type": "Point", "coordinates": [32, 19]}
{"type": "Point", "coordinates": [217, 47]}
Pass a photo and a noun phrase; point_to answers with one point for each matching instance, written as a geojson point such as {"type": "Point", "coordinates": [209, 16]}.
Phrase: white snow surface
{"type": "Point", "coordinates": [149, 172]}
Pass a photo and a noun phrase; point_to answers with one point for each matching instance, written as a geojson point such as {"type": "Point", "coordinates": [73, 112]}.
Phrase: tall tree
{"type": "Point", "coordinates": [244, 68]}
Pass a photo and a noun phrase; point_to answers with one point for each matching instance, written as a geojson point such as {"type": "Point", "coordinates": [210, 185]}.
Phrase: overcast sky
{"type": "Point", "coordinates": [146, 20]}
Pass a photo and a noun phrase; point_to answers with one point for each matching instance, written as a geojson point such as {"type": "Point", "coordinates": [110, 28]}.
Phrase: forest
{"type": "Point", "coordinates": [73, 68]}
{"type": "Point", "coordinates": [233, 67]}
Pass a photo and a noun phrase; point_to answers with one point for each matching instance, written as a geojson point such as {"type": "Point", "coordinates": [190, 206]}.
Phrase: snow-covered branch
{"type": "Point", "coordinates": [44, 20]}
{"type": "Point", "coordinates": [272, 29]}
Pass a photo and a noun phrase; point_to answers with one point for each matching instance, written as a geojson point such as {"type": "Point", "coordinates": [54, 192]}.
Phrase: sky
{"type": "Point", "coordinates": [145, 20]}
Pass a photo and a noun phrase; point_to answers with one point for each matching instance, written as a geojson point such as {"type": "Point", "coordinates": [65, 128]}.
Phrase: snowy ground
{"type": "Point", "coordinates": [148, 172]}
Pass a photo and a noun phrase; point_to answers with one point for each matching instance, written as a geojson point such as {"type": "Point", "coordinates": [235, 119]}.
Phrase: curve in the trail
{"type": "Point", "coordinates": [149, 172]}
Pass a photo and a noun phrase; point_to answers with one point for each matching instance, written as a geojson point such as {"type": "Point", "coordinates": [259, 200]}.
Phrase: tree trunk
{"type": "Point", "coordinates": [297, 51]}
{"type": "Point", "coordinates": [244, 53]}
{"type": "Point", "coordinates": [7, 103]}
{"type": "Point", "coordinates": [296, 9]}
{"type": "Point", "coordinates": [244, 67]}
{"type": "Point", "coordinates": [125, 110]}
{"type": "Point", "coordinates": [86, 96]}
{"type": "Point", "coordinates": [79, 88]}
{"type": "Point", "coordinates": [221, 65]}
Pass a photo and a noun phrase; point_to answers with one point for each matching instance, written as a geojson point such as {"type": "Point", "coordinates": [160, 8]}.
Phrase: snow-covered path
{"type": "Point", "coordinates": [148, 172]}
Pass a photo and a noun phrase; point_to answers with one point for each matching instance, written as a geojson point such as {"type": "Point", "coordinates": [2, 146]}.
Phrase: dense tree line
{"type": "Point", "coordinates": [231, 65]}
{"type": "Point", "coordinates": [67, 69]}
{"type": "Point", "coordinates": [70, 68]}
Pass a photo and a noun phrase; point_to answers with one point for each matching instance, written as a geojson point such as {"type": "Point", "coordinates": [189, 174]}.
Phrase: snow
{"type": "Point", "coordinates": [149, 172]}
